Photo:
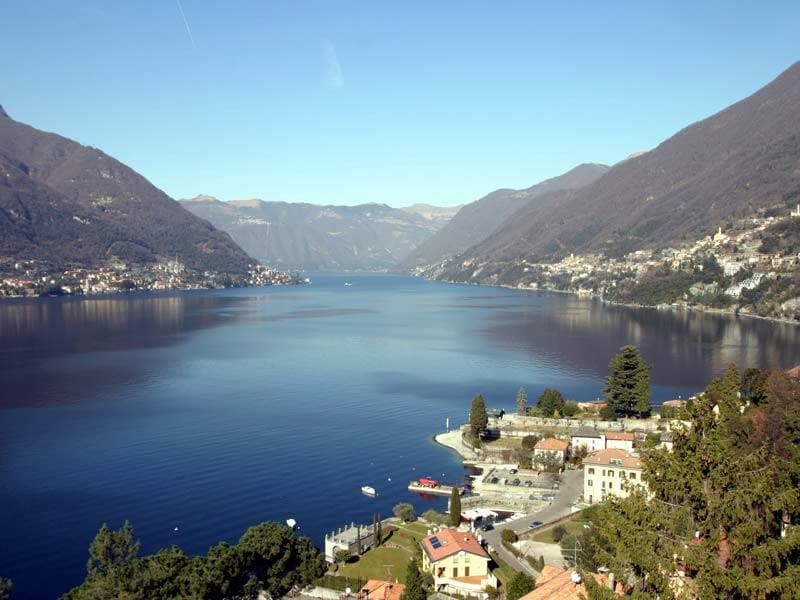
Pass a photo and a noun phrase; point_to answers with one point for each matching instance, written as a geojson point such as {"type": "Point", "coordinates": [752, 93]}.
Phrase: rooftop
{"type": "Point", "coordinates": [561, 584]}
{"type": "Point", "coordinates": [605, 458]}
{"type": "Point", "coordinates": [447, 542]}
{"type": "Point", "coordinates": [375, 589]}
{"type": "Point", "coordinates": [551, 444]}
{"type": "Point", "coordinates": [620, 435]}
{"type": "Point", "coordinates": [586, 432]}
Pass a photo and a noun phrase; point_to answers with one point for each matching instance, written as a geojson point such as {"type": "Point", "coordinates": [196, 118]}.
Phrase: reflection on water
{"type": "Point", "coordinates": [685, 347]}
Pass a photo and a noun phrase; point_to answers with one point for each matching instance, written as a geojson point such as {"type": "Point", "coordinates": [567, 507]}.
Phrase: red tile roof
{"type": "Point", "coordinates": [558, 584]}
{"type": "Point", "coordinates": [452, 541]}
{"type": "Point", "coordinates": [620, 435]}
{"type": "Point", "coordinates": [551, 444]}
{"type": "Point", "coordinates": [604, 458]}
{"type": "Point", "coordinates": [375, 589]}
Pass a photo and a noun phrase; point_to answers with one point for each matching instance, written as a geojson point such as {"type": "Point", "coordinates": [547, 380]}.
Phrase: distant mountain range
{"type": "Point", "coordinates": [743, 161]}
{"type": "Point", "coordinates": [367, 237]}
{"type": "Point", "coordinates": [71, 205]}
{"type": "Point", "coordinates": [478, 220]}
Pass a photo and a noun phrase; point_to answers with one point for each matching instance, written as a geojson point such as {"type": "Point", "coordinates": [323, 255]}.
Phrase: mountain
{"type": "Point", "coordinates": [367, 237]}
{"type": "Point", "coordinates": [740, 162]}
{"type": "Point", "coordinates": [477, 220]}
{"type": "Point", "coordinates": [440, 215]}
{"type": "Point", "coordinates": [67, 204]}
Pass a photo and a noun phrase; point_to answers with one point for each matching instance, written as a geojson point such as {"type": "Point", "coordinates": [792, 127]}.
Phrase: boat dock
{"type": "Point", "coordinates": [439, 490]}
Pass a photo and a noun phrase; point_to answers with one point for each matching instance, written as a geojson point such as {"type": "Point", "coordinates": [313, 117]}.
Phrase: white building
{"type": "Point", "coordinates": [621, 440]}
{"type": "Point", "coordinates": [589, 438]}
{"type": "Point", "coordinates": [606, 472]}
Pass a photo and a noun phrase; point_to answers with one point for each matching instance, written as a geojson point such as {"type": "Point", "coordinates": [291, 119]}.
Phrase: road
{"type": "Point", "coordinates": [568, 494]}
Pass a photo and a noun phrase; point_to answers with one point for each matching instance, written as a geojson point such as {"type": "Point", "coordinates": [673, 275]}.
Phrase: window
{"type": "Point", "coordinates": [622, 474]}
{"type": "Point", "coordinates": [466, 571]}
{"type": "Point", "coordinates": [455, 572]}
{"type": "Point", "coordinates": [610, 473]}
{"type": "Point", "coordinates": [603, 485]}
{"type": "Point", "coordinates": [633, 475]}
{"type": "Point", "coordinates": [610, 484]}
{"type": "Point", "coordinates": [604, 472]}
{"type": "Point", "coordinates": [589, 483]}
{"type": "Point", "coordinates": [591, 471]}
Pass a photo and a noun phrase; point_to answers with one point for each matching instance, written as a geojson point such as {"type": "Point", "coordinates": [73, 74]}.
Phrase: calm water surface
{"type": "Point", "coordinates": [214, 411]}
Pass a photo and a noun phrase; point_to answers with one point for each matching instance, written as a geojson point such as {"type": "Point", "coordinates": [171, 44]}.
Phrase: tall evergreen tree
{"type": "Point", "coordinates": [522, 402]}
{"type": "Point", "coordinates": [415, 587]}
{"type": "Point", "coordinates": [455, 507]}
{"type": "Point", "coordinates": [112, 549]}
{"type": "Point", "coordinates": [718, 504]}
{"type": "Point", "coordinates": [550, 402]}
{"type": "Point", "coordinates": [478, 419]}
{"type": "Point", "coordinates": [627, 389]}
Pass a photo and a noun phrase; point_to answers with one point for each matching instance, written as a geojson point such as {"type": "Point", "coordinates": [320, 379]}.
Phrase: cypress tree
{"type": "Point", "coordinates": [455, 507]}
{"type": "Point", "coordinates": [522, 401]}
{"type": "Point", "coordinates": [478, 419]}
{"type": "Point", "coordinates": [415, 588]}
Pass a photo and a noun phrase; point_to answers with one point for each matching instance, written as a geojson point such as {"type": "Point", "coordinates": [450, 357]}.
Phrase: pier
{"type": "Point", "coordinates": [439, 490]}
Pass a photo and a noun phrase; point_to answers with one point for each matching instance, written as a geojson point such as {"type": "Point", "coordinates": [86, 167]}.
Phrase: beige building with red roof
{"type": "Point", "coordinates": [564, 584]}
{"type": "Point", "coordinates": [550, 447]}
{"type": "Point", "coordinates": [605, 473]}
{"type": "Point", "coordinates": [620, 439]}
{"type": "Point", "coordinates": [457, 561]}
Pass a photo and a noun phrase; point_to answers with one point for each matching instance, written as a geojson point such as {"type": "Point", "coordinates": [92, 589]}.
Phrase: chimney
{"type": "Point", "coordinates": [612, 584]}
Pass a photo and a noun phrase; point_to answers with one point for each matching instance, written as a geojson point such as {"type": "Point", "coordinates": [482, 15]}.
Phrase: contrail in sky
{"type": "Point", "coordinates": [185, 22]}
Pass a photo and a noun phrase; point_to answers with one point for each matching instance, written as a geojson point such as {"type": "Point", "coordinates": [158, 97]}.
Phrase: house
{"type": "Point", "coordinates": [606, 471]}
{"type": "Point", "coordinates": [375, 589]}
{"type": "Point", "coordinates": [347, 538]}
{"type": "Point", "coordinates": [458, 562]}
{"type": "Point", "coordinates": [550, 449]}
{"type": "Point", "coordinates": [587, 437]}
{"type": "Point", "coordinates": [620, 439]}
{"type": "Point", "coordinates": [566, 584]}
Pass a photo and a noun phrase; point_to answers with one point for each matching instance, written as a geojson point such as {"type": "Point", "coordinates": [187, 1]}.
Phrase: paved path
{"type": "Point", "coordinates": [561, 506]}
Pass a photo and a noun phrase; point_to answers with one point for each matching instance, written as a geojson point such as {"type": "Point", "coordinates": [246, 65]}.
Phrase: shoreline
{"type": "Point", "coordinates": [669, 307]}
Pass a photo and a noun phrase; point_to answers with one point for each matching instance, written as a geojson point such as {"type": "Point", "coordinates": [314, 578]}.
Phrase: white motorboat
{"type": "Point", "coordinates": [368, 490]}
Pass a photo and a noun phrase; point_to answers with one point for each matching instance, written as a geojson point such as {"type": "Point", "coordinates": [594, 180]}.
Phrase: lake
{"type": "Point", "coordinates": [213, 411]}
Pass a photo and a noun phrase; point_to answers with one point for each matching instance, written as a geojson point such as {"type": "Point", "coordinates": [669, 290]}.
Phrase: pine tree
{"type": "Point", "coordinates": [519, 585]}
{"type": "Point", "coordinates": [718, 503]}
{"type": "Point", "coordinates": [627, 388]}
{"type": "Point", "coordinates": [455, 507]}
{"type": "Point", "coordinates": [522, 401]}
{"type": "Point", "coordinates": [478, 419]}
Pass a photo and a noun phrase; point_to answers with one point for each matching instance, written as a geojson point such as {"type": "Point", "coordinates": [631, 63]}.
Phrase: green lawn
{"type": "Point", "coordinates": [573, 525]}
{"type": "Point", "coordinates": [390, 559]}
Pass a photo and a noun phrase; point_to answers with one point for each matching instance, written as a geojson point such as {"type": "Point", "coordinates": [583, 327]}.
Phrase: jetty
{"type": "Point", "coordinates": [438, 490]}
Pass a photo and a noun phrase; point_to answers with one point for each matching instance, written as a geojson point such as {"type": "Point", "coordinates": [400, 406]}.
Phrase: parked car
{"type": "Point", "coordinates": [515, 482]}
{"type": "Point", "coordinates": [535, 524]}
{"type": "Point", "coordinates": [513, 471]}
{"type": "Point", "coordinates": [493, 480]}
{"type": "Point", "coordinates": [528, 483]}
{"type": "Point", "coordinates": [487, 527]}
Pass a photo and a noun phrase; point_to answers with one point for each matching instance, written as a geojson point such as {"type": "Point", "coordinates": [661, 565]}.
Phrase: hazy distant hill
{"type": "Point", "coordinates": [728, 166]}
{"type": "Point", "coordinates": [367, 237]}
{"type": "Point", "coordinates": [440, 215]}
{"type": "Point", "coordinates": [65, 203]}
{"type": "Point", "coordinates": [477, 220]}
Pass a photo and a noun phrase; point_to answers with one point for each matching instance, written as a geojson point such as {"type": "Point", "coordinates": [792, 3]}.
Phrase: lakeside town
{"type": "Point", "coordinates": [32, 278]}
{"type": "Point", "coordinates": [747, 268]}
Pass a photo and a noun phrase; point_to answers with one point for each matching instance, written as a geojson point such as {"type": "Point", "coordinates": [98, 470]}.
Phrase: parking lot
{"type": "Point", "coordinates": [507, 479]}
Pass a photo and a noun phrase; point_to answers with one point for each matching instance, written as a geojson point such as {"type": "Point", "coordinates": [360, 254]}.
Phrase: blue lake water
{"type": "Point", "coordinates": [214, 411]}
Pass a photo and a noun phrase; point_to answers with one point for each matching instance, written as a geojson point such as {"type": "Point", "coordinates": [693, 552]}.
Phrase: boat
{"type": "Point", "coordinates": [292, 524]}
{"type": "Point", "coordinates": [368, 490]}
{"type": "Point", "coordinates": [347, 284]}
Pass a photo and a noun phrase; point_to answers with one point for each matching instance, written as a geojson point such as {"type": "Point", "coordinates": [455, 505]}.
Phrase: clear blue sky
{"type": "Point", "coordinates": [372, 101]}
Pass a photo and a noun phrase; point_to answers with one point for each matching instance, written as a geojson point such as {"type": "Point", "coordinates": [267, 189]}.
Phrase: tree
{"type": "Point", "coordinates": [717, 504]}
{"type": "Point", "coordinates": [558, 533]}
{"type": "Point", "coordinates": [627, 389]}
{"type": "Point", "coordinates": [754, 385]}
{"type": "Point", "coordinates": [522, 402]}
{"type": "Point", "coordinates": [509, 536]}
{"type": "Point", "coordinates": [112, 549]}
{"type": "Point", "coordinates": [436, 518]}
{"type": "Point", "coordinates": [415, 589]}
{"type": "Point", "coordinates": [341, 556]}
{"type": "Point", "coordinates": [405, 512]}
{"type": "Point", "coordinates": [519, 585]}
{"type": "Point", "coordinates": [478, 419]}
{"type": "Point", "coordinates": [550, 402]}
{"type": "Point", "coordinates": [5, 588]}
{"type": "Point", "coordinates": [359, 549]}
{"type": "Point", "coordinates": [570, 409]}
{"type": "Point", "coordinates": [455, 507]}
{"type": "Point", "coordinates": [529, 442]}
